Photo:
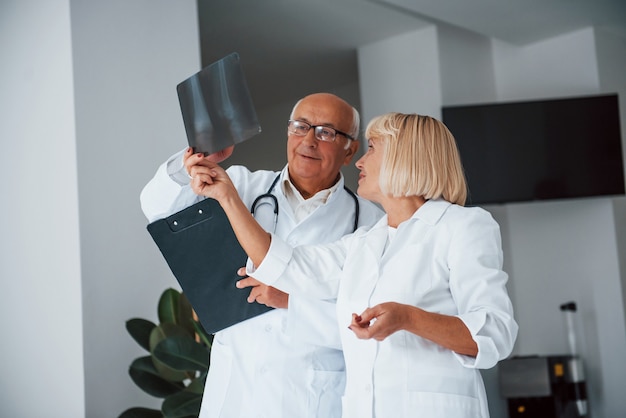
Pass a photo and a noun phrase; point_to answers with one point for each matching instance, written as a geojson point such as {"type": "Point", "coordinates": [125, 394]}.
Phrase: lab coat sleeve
{"type": "Point", "coordinates": [310, 313]}
{"type": "Point", "coordinates": [168, 191]}
{"type": "Point", "coordinates": [478, 286]}
{"type": "Point", "coordinates": [311, 270]}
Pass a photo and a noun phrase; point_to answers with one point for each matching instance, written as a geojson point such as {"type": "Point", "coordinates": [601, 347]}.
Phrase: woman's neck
{"type": "Point", "coordinates": [399, 209]}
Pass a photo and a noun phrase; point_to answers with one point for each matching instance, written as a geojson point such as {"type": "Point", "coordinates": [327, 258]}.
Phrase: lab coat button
{"type": "Point", "coordinates": [368, 387]}
{"type": "Point", "coordinates": [268, 328]}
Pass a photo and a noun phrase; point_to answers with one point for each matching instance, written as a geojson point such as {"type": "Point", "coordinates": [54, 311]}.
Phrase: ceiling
{"type": "Point", "coordinates": [289, 48]}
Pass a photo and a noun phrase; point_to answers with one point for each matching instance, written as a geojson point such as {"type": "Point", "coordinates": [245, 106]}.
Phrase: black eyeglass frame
{"type": "Point", "coordinates": [337, 131]}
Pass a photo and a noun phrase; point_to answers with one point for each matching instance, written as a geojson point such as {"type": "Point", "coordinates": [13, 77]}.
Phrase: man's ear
{"type": "Point", "coordinates": [353, 147]}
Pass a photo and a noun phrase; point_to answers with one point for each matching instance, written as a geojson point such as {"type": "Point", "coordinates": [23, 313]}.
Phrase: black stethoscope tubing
{"type": "Point", "coordinates": [269, 194]}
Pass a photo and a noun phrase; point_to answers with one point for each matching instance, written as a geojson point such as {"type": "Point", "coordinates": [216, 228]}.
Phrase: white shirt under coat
{"type": "Point", "coordinates": [445, 259]}
{"type": "Point", "coordinates": [285, 363]}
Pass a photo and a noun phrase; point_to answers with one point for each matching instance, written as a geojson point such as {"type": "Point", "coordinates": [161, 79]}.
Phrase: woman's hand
{"type": "Point", "coordinates": [207, 178]}
{"type": "Point", "coordinates": [216, 157]}
{"type": "Point", "coordinates": [210, 180]}
{"type": "Point", "coordinates": [380, 321]}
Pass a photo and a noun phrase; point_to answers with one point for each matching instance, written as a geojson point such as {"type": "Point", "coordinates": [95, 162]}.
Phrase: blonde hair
{"type": "Point", "coordinates": [420, 157]}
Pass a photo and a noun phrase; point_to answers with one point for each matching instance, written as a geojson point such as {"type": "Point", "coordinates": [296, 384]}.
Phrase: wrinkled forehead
{"type": "Point", "coordinates": [328, 112]}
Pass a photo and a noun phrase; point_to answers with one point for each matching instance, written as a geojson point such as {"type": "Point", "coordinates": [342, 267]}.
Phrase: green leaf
{"type": "Point", "coordinates": [141, 413]}
{"type": "Point", "coordinates": [166, 330]}
{"type": "Point", "coordinates": [182, 353]}
{"type": "Point", "coordinates": [197, 384]}
{"type": "Point", "coordinates": [140, 330]}
{"type": "Point", "coordinates": [185, 314]}
{"type": "Point", "coordinates": [145, 375]}
{"type": "Point", "coordinates": [182, 405]}
{"type": "Point", "coordinates": [168, 306]}
{"type": "Point", "coordinates": [160, 333]}
{"type": "Point", "coordinates": [206, 339]}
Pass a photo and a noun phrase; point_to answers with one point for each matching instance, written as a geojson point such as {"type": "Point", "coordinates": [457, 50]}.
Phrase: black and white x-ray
{"type": "Point", "coordinates": [216, 106]}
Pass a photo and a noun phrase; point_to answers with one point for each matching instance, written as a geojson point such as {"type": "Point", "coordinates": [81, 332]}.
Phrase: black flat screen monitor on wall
{"type": "Point", "coordinates": [539, 150]}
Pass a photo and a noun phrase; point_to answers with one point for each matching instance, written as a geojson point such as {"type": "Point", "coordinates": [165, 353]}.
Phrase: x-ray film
{"type": "Point", "coordinates": [216, 106]}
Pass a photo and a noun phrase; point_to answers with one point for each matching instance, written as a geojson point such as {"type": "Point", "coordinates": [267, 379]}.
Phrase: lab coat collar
{"type": "Point", "coordinates": [432, 211]}
{"type": "Point", "coordinates": [376, 238]}
{"type": "Point", "coordinates": [337, 187]}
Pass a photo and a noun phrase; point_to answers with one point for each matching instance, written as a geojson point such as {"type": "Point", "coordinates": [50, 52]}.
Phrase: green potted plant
{"type": "Point", "coordinates": [178, 361]}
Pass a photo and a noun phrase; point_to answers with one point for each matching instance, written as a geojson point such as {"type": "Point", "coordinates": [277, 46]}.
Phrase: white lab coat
{"type": "Point", "coordinates": [445, 259]}
{"type": "Point", "coordinates": [288, 362]}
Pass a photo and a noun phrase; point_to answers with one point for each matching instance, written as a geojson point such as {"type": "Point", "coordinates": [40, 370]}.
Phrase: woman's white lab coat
{"type": "Point", "coordinates": [285, 363]}
{"type": "Point", "coordinates": [445, 259]}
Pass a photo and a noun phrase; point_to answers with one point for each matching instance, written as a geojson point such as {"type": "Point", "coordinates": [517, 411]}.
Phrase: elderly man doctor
{"type": "Point", "coordinates": [286, 363]}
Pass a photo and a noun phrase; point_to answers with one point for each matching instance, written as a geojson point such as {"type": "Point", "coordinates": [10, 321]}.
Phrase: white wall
{"type": "Point", "coordinates": [40, 313]}
{"type": "Point", "coordinates": [619, 211]}
{"type": "Point", "coordinates": [566, 250]}
{"type": "Point", "coordinates": [554, 251]}
{"type": "Point", "coordinates": [128, 59]}
{"type": "Point", "coordinates": [401, 74]}
{"type": "Point", "coordinates": [474, 80]}
{"type": "Point", "coordinates": [579, 237]}
{"type": "Point", "coordinates": [578, 257]}
{"type": "Point", "coordinates": [558, 67]}
{"type": "Point", "coordinates": [89, 110]}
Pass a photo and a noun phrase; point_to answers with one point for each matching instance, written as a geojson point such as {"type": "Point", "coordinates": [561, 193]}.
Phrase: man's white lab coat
{"type": "Point", "coordinates": [445, 259]}
{"type": "Point", "coordinates": [286, 363]}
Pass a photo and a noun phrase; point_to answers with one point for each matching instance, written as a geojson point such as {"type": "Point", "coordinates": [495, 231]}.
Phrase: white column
{"type": "Point", "coordinates": [128, 58]}
{"type": "Point", "coordinates": [40, 314]}
{"type": "Point", "coordinates": [89, 109]}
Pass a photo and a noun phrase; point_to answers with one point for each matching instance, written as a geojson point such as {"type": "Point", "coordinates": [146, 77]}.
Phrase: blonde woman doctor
{"type": "Point", "coordinates": [421, 297]}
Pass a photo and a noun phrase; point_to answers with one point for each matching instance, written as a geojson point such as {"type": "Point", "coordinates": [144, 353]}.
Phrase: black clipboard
{"type": "Point", "coordinates": [204, 255]}
{"type": "Point", "coordinates": [217, 107]}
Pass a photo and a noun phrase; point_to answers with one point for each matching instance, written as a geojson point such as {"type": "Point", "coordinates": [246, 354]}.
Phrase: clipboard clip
{"type": "Point", "coordinates": [193, 215]}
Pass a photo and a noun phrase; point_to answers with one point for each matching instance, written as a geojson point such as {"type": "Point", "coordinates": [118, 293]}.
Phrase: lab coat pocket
{"type": "Point", "coordinates": [442, 405]}
{"type": "Point", "coordinates": [440, 386]}
{"type": "Point", "coordinates": [432, 368]}
{"type": "Point", "coordinates": [327, 387]}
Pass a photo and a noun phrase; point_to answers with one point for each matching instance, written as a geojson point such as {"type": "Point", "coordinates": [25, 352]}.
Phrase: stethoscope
{"type": "Point", "coordinates": [273, 201]}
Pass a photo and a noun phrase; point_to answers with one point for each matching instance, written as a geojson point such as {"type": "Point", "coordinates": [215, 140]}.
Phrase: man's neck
{"type": "Point", "coordinates": [308, 189]}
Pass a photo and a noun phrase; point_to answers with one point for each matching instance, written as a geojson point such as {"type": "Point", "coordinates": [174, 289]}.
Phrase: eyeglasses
{"type": "Point", "coordinates": [323, 133]}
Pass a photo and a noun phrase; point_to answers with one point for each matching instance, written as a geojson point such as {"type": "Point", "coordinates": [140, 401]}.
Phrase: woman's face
{"type": "Point", "coordinates": [369, 164]}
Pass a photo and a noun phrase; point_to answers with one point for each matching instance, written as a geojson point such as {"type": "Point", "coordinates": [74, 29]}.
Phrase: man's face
{"type": "Point", "coordinates": [313, 164]}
